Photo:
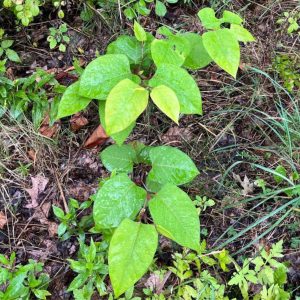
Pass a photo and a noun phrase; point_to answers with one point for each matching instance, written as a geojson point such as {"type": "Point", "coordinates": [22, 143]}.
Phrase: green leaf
{"type": "Point", "coordinates": [58, 212]}
{"type": "Point", "coordinates": [126, 101]}
{"type": "Point", "coordinates": [232, 18]}
{"type": "Point", "coordinates": [167, 101]}
{"type": "Point", "coordinates": [198, 57]}
{"type": "Point", "coordinates": [129, 13]}
{"type": "Point", "coordinates": [172, 51]}
{"type": "Point", "coordinates": [281, 171]}
{"type": "Point", "coordinates": [62, 228]}
{"type": "Point", "coordinates": [129, 46]}
{"type": "Point", "coordinates": [139, 32]}
{"type": "Point", "coordinates": [183, 84]}
{"type": "Point", "coordinates": [170, 165]}
{"type": "Point", "coordinates": [12, 55]}
{"type": "Point", "coordinates": [102, 74]}
{"type": "Point", "coordinates": [117, 199]}
{"type": "Point", "coordinates": [224, 49]}
{"type": "Point", "coordinates": [6, 44]}
{"type": "Point", "coordinates": [52, 42]}
{"type": "Point", "coordinates": [41, 294]}
{"type": "Point", "coordinates": [160, 8]}
{"type": "Point", "coordinates": [78, 281]}
{"type": "Point", "coordinates": [71, 101]}
{"type": "Point", "coordinates": [208, 18]}
{"type": "Point", "coordinates": [62, 48]}
{"type": "Point", "coordinates": [176, 217]}
{"type": "Point", "coordinates": [119, 158]}
{"type": "Point", "coordinates": [241, 34]}
{"type": "Point", "coordinates": [131, 252]}
{"type": "Point", "coordinates": [119, 137]}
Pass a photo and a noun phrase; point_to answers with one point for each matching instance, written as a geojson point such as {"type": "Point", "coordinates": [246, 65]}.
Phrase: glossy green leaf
{"type": "Point", "coordinates": [241, 34]}
{"type": "Point", "coordinates": [183, 84]}
{"type": "Point", "coordinates": [198, 57]}
{"type": "Point", "coordinates": [160, 8]}
{"type": "Point", "coordinates": [167, 101]}
{"type": "Point", "coordinates": [176, 217]}
{"type": "Point", "coordinates": [119, 137]}
{"type": "Point", "coordinates": [139, 32]}
{"type": "Point", "coordinates": [152, 183]}
{"type": "Point", "coordinates": [224, 49]}
{"type": "Point", "coordinates": [12, 55]}
{"type": "Point", "coordinates": [129, 46]}
{"type": "Point", "coordinates": [117, 199]}
{"type": "Point", "coordinates": [126, 101]}
{"type": "Point", "coordinates": [208, 18]}
{"type": "Point", "coordinates": [131, 252]}
{"type": "Point", "coordinates": [102, 74]}
{"type": "Point", "coordinates": [71, 101]}
{"type": "Point", "coordinates": [232, 18]}
{"type": "Point", "coordinates": [119, 158]}
{"type": "Point", "coordinates": [170, 51]}
{"type": "Point", "coordinates": [170, 165]}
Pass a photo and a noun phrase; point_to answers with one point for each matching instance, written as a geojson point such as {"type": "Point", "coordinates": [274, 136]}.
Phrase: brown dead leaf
{"type": "Point", "coordinates": [97, 138]}
{"type": "Point", "coordinates": [175, 135]}
{"type": "Point", "coordinates": [3, 220]}
{"type": "Point", "coordinates": [52, 229]}
{"type": "Point", "coordinates": [248, 188]}
{"type": "Point", "coordinates": [47, 130]}
{"type": "Point", "coordinates": [78, 121]}
{"type": "Point", "coordinates": [39, 184]}
{"type": "Point", "coordinates": [31, 154]}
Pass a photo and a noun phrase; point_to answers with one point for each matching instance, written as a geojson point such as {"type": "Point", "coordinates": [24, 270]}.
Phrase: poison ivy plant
{"type": "Point", "coordinates": [121, 205]}
{"type": "Point", "coordinates": [221, 43]}
{"type": "Point", "coordinates": [138, 68]}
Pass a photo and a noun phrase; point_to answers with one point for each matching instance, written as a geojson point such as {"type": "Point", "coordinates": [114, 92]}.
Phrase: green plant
{"type": "Point", "coordinates": [25, 10]}
{"type": "Point", "coordinates": [30, 94]}
{"type": "Point", "coordinates": [121, 205]}
{"type": "Point", "coordinates": [143, 8]}
{"type": "Point", "coordinates": [70, 224]}
{"type": "Point", "coordinates": [6, 51]}
{"type": "Point", "coordinates": [268, 273]}
{"type": "Point", "coordinates": [290, 21]}
{"type": "Point", "coordinates": [287, 66]}
{"type": "Point", "coordinates": [91, 269]}
{"type": "Point", "coordinates": [202, 203]}
{"type": "Point", "coordinates": [58, 37]}
{"type": "Point", "coordinates": [22, 281]}
{"type": "Point", "coordinates": [158, 67]}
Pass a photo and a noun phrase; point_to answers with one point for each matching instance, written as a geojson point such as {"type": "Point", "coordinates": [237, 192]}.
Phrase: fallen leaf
{"type": "Point", "coordinates": [176, 135]}
{"type": "Point", "coordinates": [47, 130]}
{"type": "Point", "coordinates": [97, 138]}
{"type": "Point", "coordinates": [39, 184]}
{"type": "Point", "coordinates": [32, 154]}
{"type": "Point", "coordinates": [52, 229]}
{"type": "Point", "coordinates": [78, 121]}
{"type": "Point", "coordinates": [248, 187]}
{"type": "Point", "coordinates": [3, 220]}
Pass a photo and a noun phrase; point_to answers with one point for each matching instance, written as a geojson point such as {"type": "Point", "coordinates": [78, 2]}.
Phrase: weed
{"type": "Point", "coordinates": [22, 281]}
{"type": "Point", "coordinates": [6, 52]}
{"type": "Point", "coordinates": [91, 269]}
{"type": "Point", "coordinates": [290, 21]}
{"type": "Point", "coordinates": [70, 224]}
{"type": "Point", "coordinates": [58, 37]}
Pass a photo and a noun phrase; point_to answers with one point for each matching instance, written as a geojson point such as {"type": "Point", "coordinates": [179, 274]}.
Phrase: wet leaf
{"type": "Point", "coordinates": [131, 252]}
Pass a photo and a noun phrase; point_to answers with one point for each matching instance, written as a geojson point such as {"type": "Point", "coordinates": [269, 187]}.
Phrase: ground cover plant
{"type": "Point", "coordinates": [149, 150]}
